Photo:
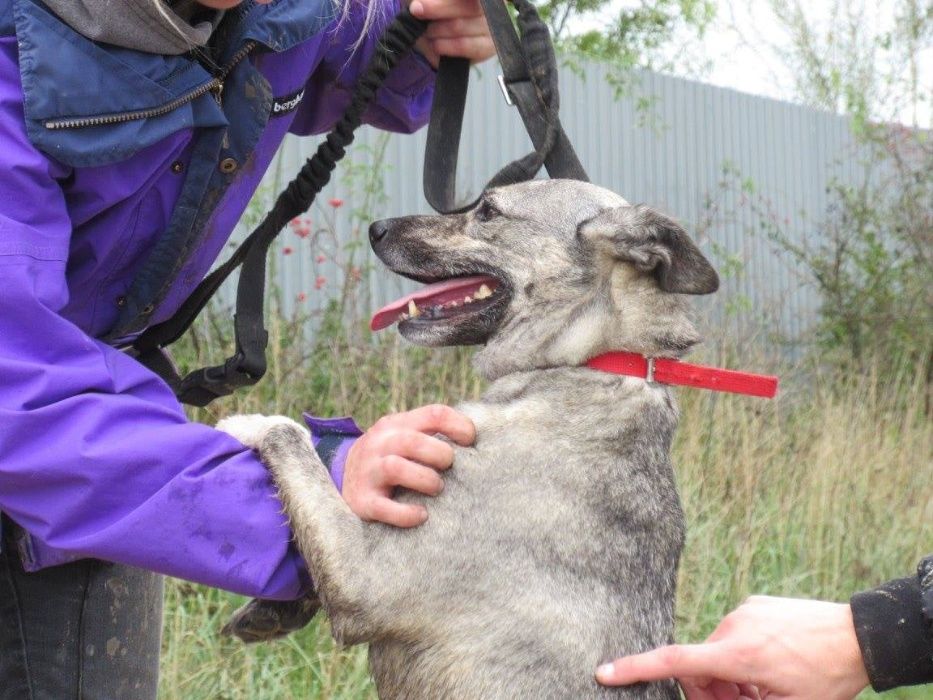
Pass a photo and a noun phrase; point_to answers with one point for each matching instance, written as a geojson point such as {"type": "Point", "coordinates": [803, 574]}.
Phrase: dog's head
{"type": "Point", "coordinates": [545, 273]}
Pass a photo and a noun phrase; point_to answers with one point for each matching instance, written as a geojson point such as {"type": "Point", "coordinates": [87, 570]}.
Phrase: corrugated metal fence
{"type": "Point", "coordinates": [720, 161]}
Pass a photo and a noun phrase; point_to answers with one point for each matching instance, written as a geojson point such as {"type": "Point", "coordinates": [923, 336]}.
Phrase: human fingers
{"type": "Point", "coordinates": [713, 689]}
{"type": "Point", "coordinates": [398, 471]}
{"type": "Point", "coordinates": [419, 447]}
{"type": "Point", "coordinates": [696, 688]}
{"type": "Point", "coordinates": [731, 624]}
{"type": "Point", "coordinates": [445, 9]}
{"type": "Point", "coordinates": [475, 48]}
{"type": "Point", "coordinates": [467, 37]}
{"type": "Point", "coordinates": [458, 28]}
{"type": "Point", "coordinates": [674, 661]}
{"type": "Point", "coordinates": [724, 690]}
{"type": "Point", "coordinates": [385, 510]}
{"type": "Point", "coordinates": [710, 689]}
{"type": "Point", "coordinates": [462, 26]}
{"type": "Point", "coordinates": [436, 418]}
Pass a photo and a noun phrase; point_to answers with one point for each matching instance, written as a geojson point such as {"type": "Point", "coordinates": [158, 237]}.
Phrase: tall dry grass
{"type": "Point", "coordinates": [819, 493]}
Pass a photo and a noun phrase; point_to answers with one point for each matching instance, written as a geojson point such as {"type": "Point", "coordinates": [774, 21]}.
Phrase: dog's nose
{"type": "Point", "coordinates": [378, 231]}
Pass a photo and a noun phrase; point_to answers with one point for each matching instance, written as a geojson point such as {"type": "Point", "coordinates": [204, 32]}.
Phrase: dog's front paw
{"type": "Point", "coordinates": [252, 429]}
{"type": "Point", "coordinates": [265, 620]}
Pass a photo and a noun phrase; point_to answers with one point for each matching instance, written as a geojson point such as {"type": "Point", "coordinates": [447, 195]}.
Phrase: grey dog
{"type": "Point", "coordinates": [554, 546]}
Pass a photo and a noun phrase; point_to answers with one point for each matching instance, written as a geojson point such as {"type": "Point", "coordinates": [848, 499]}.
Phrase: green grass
{"type": "Point", "coordinates": [198, 663]}
{"type": "Point", "coordinates": [820, 493]}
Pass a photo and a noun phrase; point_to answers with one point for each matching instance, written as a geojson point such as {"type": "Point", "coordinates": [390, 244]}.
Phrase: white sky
{"type": "Point", "coordinates": [743, 24]}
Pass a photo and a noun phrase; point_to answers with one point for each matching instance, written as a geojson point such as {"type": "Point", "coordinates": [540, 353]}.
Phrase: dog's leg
{"type": "Point", "coordinates": [328, 535]}
{"type": "Point", "coordinates": [264, 620]}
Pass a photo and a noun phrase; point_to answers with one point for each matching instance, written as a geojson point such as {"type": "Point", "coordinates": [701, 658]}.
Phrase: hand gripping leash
{"type": "Point", "coordinates": [530, 79]}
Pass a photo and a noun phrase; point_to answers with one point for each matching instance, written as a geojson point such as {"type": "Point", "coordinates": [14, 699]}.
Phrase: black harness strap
{"type": "Point", "coordinates": [248, 364]}
{"type": "Point", "coordinates": [529, 75]}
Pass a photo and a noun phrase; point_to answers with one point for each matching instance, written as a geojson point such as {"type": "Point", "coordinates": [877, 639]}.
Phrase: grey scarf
{"type": "Point", "coordinates": [138, 24]}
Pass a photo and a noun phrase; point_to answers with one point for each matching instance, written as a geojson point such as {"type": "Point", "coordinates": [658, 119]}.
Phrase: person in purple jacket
{"type": "Point", "coordinates": [132, 135]}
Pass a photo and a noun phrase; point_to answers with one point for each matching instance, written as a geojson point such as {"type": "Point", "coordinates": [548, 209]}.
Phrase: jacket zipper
{"type": "Point", "coordinates": [216, 86]}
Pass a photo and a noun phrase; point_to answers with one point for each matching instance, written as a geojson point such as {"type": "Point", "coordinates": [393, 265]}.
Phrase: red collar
{"type": "Point", "coordinates": [669, 371]}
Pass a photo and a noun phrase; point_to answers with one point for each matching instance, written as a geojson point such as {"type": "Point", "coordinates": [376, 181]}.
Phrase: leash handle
{"type": "Point", "coordinates": [529, 77]}
{"type": "Point", "coordinates": [442, 148]}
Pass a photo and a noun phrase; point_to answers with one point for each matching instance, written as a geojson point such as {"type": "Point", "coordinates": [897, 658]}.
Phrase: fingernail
{"type": "Point", "coordinates": [604, 672]}
{"type": "Point", "coordinates": [416, 8]}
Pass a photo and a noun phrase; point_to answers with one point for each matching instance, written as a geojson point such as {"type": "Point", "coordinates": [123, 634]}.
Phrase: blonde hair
{"type": "Point", "coordinates": [374, 10]}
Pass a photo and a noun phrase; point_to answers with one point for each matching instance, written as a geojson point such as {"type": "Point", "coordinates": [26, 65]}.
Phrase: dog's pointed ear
{"type": "Point", "coordinates": [653, 243]}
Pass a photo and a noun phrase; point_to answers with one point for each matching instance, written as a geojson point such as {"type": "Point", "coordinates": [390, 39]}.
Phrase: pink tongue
{"type": "Point", "coordinates": [431, 295]}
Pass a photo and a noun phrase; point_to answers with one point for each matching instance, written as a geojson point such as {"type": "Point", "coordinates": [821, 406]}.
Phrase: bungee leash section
{"type": "Point", "coordinates": [248, 364]}
{"type": "Point", "coordinates": [530, 82]}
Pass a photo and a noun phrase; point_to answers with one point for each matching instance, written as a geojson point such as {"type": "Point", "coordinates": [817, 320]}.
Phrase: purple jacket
{"type": "Point", "coordinates": [97, 458]}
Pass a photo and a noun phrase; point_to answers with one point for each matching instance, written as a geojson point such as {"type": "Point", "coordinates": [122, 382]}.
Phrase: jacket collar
{"type": "Point", "coordinates": [83, 78]}
{"type": "Point", "coordinates": [283, 24]}
{"type": "Point", "coordinates": [139, 24]}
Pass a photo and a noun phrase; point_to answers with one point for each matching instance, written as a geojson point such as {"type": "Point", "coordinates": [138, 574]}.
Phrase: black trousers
{"type": "Point", "coordinates": [90, 630]}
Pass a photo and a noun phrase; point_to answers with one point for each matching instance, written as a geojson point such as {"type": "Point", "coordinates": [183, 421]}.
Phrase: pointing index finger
{"type": "Point", "coordinates": [445, 9]}
{"type": "Point", "coordinates": [673, 661]}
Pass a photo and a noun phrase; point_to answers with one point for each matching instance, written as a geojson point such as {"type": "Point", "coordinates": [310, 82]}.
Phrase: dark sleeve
{"type": "Point", "coordinates": [894, 626]}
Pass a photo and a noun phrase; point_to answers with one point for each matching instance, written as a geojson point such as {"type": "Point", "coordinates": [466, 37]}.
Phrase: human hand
{"type": "Point", "coordinates": [401, 450]}
{"type": "Point", "coordinates": [775, 648]}
{"type": "Point", "coordinates": [458, 28]}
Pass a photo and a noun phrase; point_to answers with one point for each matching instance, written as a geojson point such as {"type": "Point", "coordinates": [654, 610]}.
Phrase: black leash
{"type": "Point", "coordinates": [529, 79]}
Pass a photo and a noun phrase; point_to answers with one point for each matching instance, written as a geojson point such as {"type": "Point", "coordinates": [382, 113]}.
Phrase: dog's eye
{"type": "Point", "coordinates": [486, 211]}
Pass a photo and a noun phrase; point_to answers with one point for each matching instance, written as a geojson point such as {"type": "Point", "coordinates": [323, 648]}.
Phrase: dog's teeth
{"type": "Point", "coordinates": [467, 300]}
{"type": "Point", "coordinates": [413, 309]}
{"type": "Point", "coordinates": [403, 317]}
{"type": "Point", "coordinates": [483, 292]}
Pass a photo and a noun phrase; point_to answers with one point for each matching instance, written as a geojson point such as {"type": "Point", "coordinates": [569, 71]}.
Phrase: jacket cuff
{"type": "Point", "coordinates": [412, 77]}
{"type": "Point", "coordinates": [332, 439]}
{"type": "Point", "coordinates": [894, 634]}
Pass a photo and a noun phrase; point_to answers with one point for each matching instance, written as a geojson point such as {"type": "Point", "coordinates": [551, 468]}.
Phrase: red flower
{"type": "Point", "coordinates": [320, 282]}
{"type": "Point", "coordinates": [301, 225]}
{"type": "Point", "coordinates": [301, 296]}
{"type": "Point", "coordinates": [335, 203]}
{"type": "Point", "coordinates": [320, 258]}
{"type": "Point", "coordinates": [287, 251]}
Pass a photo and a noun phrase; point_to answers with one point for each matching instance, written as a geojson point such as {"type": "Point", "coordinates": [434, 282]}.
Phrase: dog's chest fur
{"type": "Point", "coordinates": [554, 546]}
